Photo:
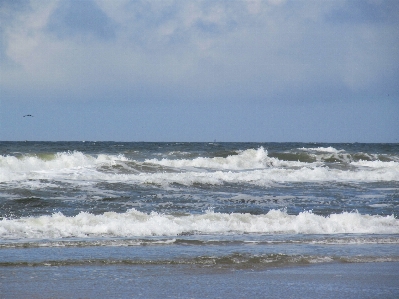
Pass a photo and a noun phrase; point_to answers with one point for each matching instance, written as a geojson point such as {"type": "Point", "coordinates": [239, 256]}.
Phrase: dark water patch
{"type": "Point", "coordinates": [301, 157]}
{"type": "Point", "coordinates": [119, 198]}
{"type": "Point", "coordinates": [133, 167]}
{"type": "Point", "coordinates": [33, 201]}
{"type": "Point", "coordinates": [234, 261]}
{"type": "Point", "coordinates": [333, 159]}
{"type": "Point", "coordinates": [388, 158]}
{"type": "Point", "coordinates": [363, 157]}
{"type": "Point", "coordinates": [223, 154]}
{"type": "Point", "coordinates": [27, 206]}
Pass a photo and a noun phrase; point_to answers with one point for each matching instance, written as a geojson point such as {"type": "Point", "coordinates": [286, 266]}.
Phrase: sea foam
{"type": "Point", "coordinates": [31, 166]}
{"type": "Point", "coordinates": [329, 149]}
{"type": "Point", "coordinates": [248, 159]}
{"type": "Point", "coordinates": [135, 223]}
{"type": "Point", "coordinates": [250, 166]}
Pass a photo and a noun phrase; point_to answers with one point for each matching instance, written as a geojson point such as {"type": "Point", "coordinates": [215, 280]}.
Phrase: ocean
{"type": "Point", "coordinates": [199, 220]}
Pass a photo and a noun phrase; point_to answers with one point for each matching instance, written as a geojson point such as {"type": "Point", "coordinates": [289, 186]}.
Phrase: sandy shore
{"type": "Point", "coordinates": [335, 280]}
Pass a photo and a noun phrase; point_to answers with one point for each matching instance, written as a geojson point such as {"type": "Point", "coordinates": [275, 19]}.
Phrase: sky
{"type": "Point", "coordinates": [185, 70]}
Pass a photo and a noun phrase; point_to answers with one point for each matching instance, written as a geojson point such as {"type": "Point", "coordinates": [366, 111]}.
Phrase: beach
{"type": "Point", "coordinates": [361, 280]}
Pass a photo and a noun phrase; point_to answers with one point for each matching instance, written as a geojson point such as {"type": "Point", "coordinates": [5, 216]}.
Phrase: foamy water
{"type": "Point", "coordinates": [198, 204]}
{"type": "Point", "coordinates": [249, 166]}
{"type": "Point", "coordinates": [134, 223]}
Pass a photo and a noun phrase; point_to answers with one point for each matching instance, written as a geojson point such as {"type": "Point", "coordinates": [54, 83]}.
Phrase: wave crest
{"type": "Point", "coordinates": [135, 223]}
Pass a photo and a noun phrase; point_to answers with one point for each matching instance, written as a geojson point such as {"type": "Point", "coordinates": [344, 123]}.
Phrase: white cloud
{"type": "Point", "coordinates": [259, 47]}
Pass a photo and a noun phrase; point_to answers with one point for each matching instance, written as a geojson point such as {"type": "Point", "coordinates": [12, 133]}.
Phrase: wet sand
{"type": "Point", "coordinates": [333, 280]}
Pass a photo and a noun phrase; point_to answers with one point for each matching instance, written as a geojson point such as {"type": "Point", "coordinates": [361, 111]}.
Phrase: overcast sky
{"type": "Point", "coordinates": [308, 71]}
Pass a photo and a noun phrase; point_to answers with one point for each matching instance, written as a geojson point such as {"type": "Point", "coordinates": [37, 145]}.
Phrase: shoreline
{"type": "Point", "coordinates": [329, 280]}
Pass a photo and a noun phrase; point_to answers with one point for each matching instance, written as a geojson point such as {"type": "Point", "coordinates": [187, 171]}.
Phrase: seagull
{"type": "Point", "coordinates": [29, 115]}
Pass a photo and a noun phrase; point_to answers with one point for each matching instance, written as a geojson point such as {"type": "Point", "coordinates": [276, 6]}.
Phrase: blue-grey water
{"type": "Point", "coordinates": [174, 208]}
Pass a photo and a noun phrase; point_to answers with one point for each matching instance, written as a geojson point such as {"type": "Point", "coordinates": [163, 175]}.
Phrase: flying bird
{"type": "Point", "coordinates": [30, 115]}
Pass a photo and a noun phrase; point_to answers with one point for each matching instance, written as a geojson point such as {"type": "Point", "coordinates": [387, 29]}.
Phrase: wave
{"type": "Point", "coordinates": [333, 155]}
{"type": "Point", "coordinates": [135, 223]}
{"type": "Point", "coordinates": [31, 166]}
{"type": "Point", "coordinates": [248, 159]}
{"type": "Point", "coordinates": [248, 166]}
{"type": "Point", "coordinates": [322, 149]}
{"type": "Point", "coordinates": [261, 177]}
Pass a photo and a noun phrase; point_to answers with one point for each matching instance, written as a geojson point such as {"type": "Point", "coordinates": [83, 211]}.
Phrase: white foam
{"type": "Point", "coordinates": [262, 177]}
{"type": "Point", "coordinates": [135, 223]}
{"type": "Point", "coordinates": [380, 205]}
{"type": "Point", "coordinates": [376, 164]}
{"type": "Point", "coordinates": [13, 168]}
{"type": "Point", "coordinates": [249, 166]}
{"type": "Point", "coordinates": [329, 149]}
{"type": "Point", "coordinates": [244, 160]}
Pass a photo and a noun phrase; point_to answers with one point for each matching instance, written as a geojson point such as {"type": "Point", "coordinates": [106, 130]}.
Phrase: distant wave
{"type": "Point", "coordinates": [253, 166]}
{"type": "Point", "coordinates": [322, 149]}
{"type": "Point", "coordinates": [248, 159]}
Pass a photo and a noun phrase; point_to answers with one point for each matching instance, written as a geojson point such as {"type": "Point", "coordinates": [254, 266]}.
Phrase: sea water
{"type": "Point", "coordinates": [174, 209]}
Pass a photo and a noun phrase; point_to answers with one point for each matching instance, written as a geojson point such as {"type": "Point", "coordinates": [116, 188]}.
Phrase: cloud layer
{"type": "Point", "coordinates": [274, 51]}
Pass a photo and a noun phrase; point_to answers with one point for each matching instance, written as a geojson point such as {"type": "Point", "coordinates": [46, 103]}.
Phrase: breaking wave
{"type": "Point", "coordinates": [254, 166]}
{"type": "Point", "coordinates": [135, 223]}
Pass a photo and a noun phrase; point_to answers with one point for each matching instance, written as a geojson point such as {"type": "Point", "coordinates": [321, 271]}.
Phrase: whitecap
{"type": "Point", "coordinates": [134, 223]}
